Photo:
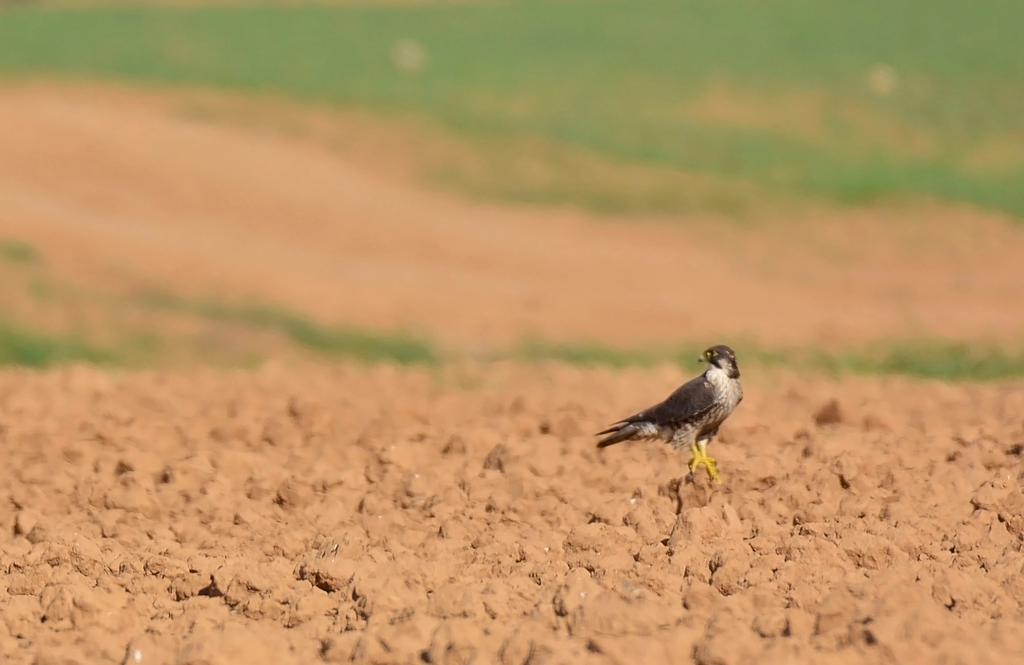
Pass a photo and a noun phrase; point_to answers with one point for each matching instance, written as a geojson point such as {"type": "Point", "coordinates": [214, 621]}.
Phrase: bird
{"type": "Point", "coordinates": [691, 415]}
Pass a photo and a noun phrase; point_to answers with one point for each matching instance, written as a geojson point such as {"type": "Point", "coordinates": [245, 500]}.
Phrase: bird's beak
{"type": "Point", "coordinates": [700, 359]}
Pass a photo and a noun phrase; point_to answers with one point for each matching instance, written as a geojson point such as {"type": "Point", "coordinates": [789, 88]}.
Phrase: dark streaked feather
{"type": "Point", "coordinates": [618, 433]}
{"type": "Point", "coordinates": [688, 402]}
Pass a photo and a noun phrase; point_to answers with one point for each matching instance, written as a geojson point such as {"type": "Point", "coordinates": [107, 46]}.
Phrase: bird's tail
{"type": "Point", "coordinates": [618, 433]}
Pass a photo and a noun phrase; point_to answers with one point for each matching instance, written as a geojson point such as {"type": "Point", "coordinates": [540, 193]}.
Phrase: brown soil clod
{"type": "Point", "coordinates": [830, 413]}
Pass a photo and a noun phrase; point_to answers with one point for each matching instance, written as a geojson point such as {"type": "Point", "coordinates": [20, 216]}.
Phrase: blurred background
{"type": "Point", "coordinates": [832, 185]}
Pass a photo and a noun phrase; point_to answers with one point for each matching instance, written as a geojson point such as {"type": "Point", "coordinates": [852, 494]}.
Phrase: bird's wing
{"type": "Point", "coordinates": [687, 402]}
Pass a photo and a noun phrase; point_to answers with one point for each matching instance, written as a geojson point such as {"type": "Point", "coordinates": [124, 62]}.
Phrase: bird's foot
{"type": "Point", "coordinates": [701, 459]}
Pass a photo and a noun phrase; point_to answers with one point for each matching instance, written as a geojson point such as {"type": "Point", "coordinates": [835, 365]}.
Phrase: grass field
{"type": "Point", "coordinates": [651, 106]}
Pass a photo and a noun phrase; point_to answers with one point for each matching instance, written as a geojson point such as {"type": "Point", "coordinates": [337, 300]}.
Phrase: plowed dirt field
{"type": "Point", "coordinates": [378, 515]}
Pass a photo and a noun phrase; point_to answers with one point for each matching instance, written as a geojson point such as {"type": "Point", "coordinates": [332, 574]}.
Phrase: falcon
{"type": "Point", "coordinates": [691, 415]}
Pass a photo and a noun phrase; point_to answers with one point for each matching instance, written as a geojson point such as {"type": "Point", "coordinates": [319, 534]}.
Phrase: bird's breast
{"type": "Point", "coordinates": [733, 394]}
{"type": "Point", "coordinates": [728, 391]}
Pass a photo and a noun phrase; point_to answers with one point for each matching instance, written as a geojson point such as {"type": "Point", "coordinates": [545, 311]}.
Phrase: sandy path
{"type": "Point", "coordinates": [121, 191]}
{"type": "Point", "coordinates": [301, 516]}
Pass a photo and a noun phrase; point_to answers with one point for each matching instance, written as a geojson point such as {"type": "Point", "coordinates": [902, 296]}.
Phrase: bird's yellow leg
{"type": "Point", "coordinates": [701, 459]}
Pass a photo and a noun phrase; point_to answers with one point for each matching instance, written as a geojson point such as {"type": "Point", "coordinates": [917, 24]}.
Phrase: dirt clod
{"type": "Point", "coordinates": [830, 413]}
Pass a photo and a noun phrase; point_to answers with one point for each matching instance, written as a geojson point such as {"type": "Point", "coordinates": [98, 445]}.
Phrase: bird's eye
{"type": "Point", "coordinates": [707, 354]}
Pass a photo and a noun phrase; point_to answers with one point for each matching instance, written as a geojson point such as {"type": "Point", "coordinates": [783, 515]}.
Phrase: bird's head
{"type": "Point", "coordinates": [722, 357]}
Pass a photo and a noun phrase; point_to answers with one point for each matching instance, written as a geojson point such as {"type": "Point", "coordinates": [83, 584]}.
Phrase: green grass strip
{"type": "Point", "coordinates": [342, 342]}
{"type": "Point", "coordinates": [25, 348]}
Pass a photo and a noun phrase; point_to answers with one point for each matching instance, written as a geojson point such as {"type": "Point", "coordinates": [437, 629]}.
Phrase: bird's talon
{"type": "Point", "coordinates": [702, 459]}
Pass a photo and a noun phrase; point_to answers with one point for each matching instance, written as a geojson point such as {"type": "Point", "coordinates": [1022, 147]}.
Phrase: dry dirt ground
{"type": "Point", "coordinates": [121, 189]}
{"type": "Point", "coordinates": [403, 516]}
{"type": "Point", "coordinates": [462, 514]}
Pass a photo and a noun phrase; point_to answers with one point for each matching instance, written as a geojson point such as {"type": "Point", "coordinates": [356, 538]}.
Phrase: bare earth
{"type": "Point", "coordinates": [123, 190]}
{"type": "Point", "coordinates": [300, 516]}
